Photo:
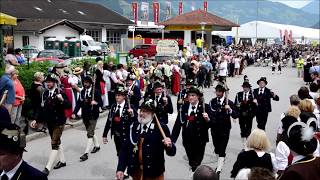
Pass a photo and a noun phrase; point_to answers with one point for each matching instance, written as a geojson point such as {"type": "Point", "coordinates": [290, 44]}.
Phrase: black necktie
{"type": "Point", "coordinates": [245, 96]}
{"type": "Point", "coordinates": [4, 177]}
{"type": "Point", "coordinates": [261, 91]}
{"type": "Point", "coordinates": [219, 101]}
{"type": "Point", "coordinates": [50, 94]}
{"type": "Point", "coordinates": [118, 111]}
{"type": "Point", "coordinates": [87, 93]}
{"type": "Point", "coordinates": [144, 132]}
{"type": "Point", "coordinates": [192, 111]}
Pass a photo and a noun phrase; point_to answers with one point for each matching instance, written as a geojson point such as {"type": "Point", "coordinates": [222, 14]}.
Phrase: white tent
{"type": "Point", "coordinates": [267, 30]}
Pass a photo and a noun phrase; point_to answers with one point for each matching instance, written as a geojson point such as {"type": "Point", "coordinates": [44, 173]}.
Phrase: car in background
{"type": "Point", "coordinates": [54, 56]}
{"type": "Point", "coordinates": [33, 52]}
{"type": "Point", "coordinates": [145, 50]}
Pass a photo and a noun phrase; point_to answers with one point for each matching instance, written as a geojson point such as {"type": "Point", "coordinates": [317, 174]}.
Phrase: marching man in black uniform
{"type": "Point", "coordinates": [120, 117]}
{"type": "Point", "coordinates": [90, 101]}
{"type": "Point", "coordinates": [263, 97]}
{"type": "Point", "coordinates": [143, 153]}
{"type": "Point", "coordinates": [220, 109]}
{"type": "Point", "coordinates": [134, 94]}
{"type": "Point", "coordinates": [12, 144]}
{"type": "Point", "coordinates": [246, 110]}
{"type": "Point", "coordinates": [182, 97]}
{"type": "Point", "coordinates": [162, 101]}
{"type": "Point", "coordinates": [193, 120]}
{"type": "Point", "coordinates": [54, 102]}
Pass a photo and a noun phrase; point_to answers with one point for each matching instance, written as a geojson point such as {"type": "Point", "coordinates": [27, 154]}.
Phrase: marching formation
{"type": "Point", "coordinates": [139, 104]}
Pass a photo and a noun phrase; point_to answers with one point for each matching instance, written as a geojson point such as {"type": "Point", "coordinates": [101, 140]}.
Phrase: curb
{"type": "Point", "coordinates": [78, 123]}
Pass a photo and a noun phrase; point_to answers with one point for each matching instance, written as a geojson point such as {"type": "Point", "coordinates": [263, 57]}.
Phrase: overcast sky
{"type": "Point", "coordinates": [294, 3]}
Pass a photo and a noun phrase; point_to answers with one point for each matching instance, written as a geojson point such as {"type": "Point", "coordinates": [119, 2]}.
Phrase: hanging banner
{"type": "Point", "coordinates": [144, 13]}
{"type": "Point", "coordinates": [290, 37]}
{"type": "Point", "coordinates": [280, 34]}
{"type": "Point", "coordinates": [193, 6]}
{"type": "Point", "coordinates": [156, 9]}
{"type": "Point", "coordinates": [180, 8]}
{"type": "Point", "coordinates": [286, 37]}
{"type": "Point", "coordinates": [205, 6]}
{"type": "Point", "coordinates": [135, 12]}
{"type": "Point", "coordinates": [168, 10]}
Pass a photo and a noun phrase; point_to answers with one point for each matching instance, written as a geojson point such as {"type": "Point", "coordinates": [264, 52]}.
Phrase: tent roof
{"type": "Point", "coordinates": [198, 16]}
{"type": "Point", "coordinates": [262, 29]}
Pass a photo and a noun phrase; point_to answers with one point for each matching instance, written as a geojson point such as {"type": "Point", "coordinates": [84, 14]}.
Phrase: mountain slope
{"type": "Point", "coordinates": [312, 7]}
{"type": "Point", "coordinates": [242, 11]}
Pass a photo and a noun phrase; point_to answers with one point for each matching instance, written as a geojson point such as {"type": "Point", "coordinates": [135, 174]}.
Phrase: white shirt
{"type": "Point", "coordinates": [121, 107]}
{"type": "Point", "coordinates": [88, 92]}
{"type": "Point", "coordinates": [149, 126]}
{"type": "Point", "coordinates": [260, 90]}
{"type": "Point", "coordinates": [245, 95]}
{"type": "Point", "coordinates": [221, 100]}
{"type": "Point", "coordinates": [12, 172]}
{"type": "Point", "coordinates": [51, 92]}
{"type": "Point", "coordinates": [119, 75]}
{"type": "Point", "coordinates": [223, 68]}
{"type": "Point", "coordinates": [195, 109]}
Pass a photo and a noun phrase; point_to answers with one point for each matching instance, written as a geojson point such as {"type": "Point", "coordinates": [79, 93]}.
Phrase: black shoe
{"type": "Point", "coordinates": [46, 171]}
{"type": "Point", "coordinates": [95, 149]}
{"type": "Point", "coordinates": [84, 157]}
{"type": "Point", "coordinates": [59, 165]}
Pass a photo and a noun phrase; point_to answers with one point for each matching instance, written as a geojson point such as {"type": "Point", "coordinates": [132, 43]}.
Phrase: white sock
{"type": "Point", "coordinates": [52, 158]}
{"type": "Point", "coordinates": [96, 141]}
{"type": "Point", "coordinates": [220, 163]}
{"type": "Point", "coordinates": [89, 145]}
{"type": "Point", "coordinates": [61, 154]}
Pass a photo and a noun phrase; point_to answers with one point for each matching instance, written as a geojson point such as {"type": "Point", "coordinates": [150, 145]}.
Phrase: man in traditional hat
{"type": "Point", "coordinates": [90, 101]}
{"type": "Point", "coordinates": [12, 144]}
{"type": "Point", "coordinates": [182, 97]}
{"type": "Point", "coordinates": [246, 109]}
{"type": "Point", "coordinates": [302, 143]}
{"type": "Point", "coordinates": [193, 120]}
{"type": "Point", "coordinates": [143, 152]}
{"type": "Point", "coordinates": [54, 103]}
{"type": "Point", "coordinates": [120, 117]}
{"type": "Point", "coordinates": [134, 93]}
{"type": "Point", "coordinates": [162, 101]}
{"type": "Point", "coordinates": [262, 98]}
{"type": "Point", "coordinates": [220, 110]}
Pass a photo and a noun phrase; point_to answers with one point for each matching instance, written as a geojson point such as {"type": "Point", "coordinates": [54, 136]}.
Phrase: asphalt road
{"type": "Point", "coordinates": [102, 165]}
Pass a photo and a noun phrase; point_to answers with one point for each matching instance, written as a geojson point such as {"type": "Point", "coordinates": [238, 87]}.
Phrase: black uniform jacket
{"type": "Point", "coordinates": [244, 107]}
{"type": "Point", "coordinates": [264, 100]}
{"type": "Point", "coordinates": [219, 116]}
{"type": "Point", "coordinates": [193, 128]}
{"type": "Point", "coordinates": [27, 172]}
{"type": "Point", "coordinates": [122, 127]}
{"type": "Point", "coordinates": [152, 151]}
{"type": "Point", "coordinates": [52, 110]}
{"type": "Point", "coordinates": [162, 110]}
{"type": "Point", "coordinates": [89, 112]}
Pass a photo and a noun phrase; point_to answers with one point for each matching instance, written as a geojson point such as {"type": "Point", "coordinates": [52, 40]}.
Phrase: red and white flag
{"type": "Point", "coordinates": [135, 12]}
{"type": "Point", "coordinates": [180, 7]}
{"type": "Point", "coordinates": [205, 6]}
{"type": "Point", "coordinates": [156, 9]}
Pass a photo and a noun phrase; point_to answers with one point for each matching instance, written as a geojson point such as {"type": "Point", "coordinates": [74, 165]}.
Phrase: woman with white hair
{"type": "Point", "coordinates": [257, 154]}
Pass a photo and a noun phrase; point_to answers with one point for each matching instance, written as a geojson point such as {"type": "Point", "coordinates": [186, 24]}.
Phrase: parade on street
{"type": "Point", "coordinates": [88, 91]}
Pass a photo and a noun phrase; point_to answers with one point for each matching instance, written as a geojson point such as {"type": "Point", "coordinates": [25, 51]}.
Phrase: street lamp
{"type": "Point", "coordinates": [203, 26]}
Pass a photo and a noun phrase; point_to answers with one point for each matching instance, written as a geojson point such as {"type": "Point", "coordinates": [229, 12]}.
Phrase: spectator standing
{"type": "Point", "coordinates": [36, 94]}
{"type": "Point", "coordinates": [6, 83]}
{"type": "Point", "coordinates": [11, 58]}
{"type": "Point", "coordinates": [19, 100]}
{"type": "Point", "coordinates": [19, 56]}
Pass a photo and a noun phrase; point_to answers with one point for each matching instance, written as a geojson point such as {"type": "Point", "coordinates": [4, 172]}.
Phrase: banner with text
{"type": "Point", "coordinates": [135, 12]}
{"type": "Point", "coordinates": [168, 10]}
{"type": "Point", "coordinates": [156, 9]}
{"type": "Point", "coordinates": [144, 13]}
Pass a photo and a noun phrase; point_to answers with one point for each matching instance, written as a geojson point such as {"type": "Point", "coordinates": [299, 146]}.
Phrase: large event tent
{"type": "Point", "coordinates": [267, 30]}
